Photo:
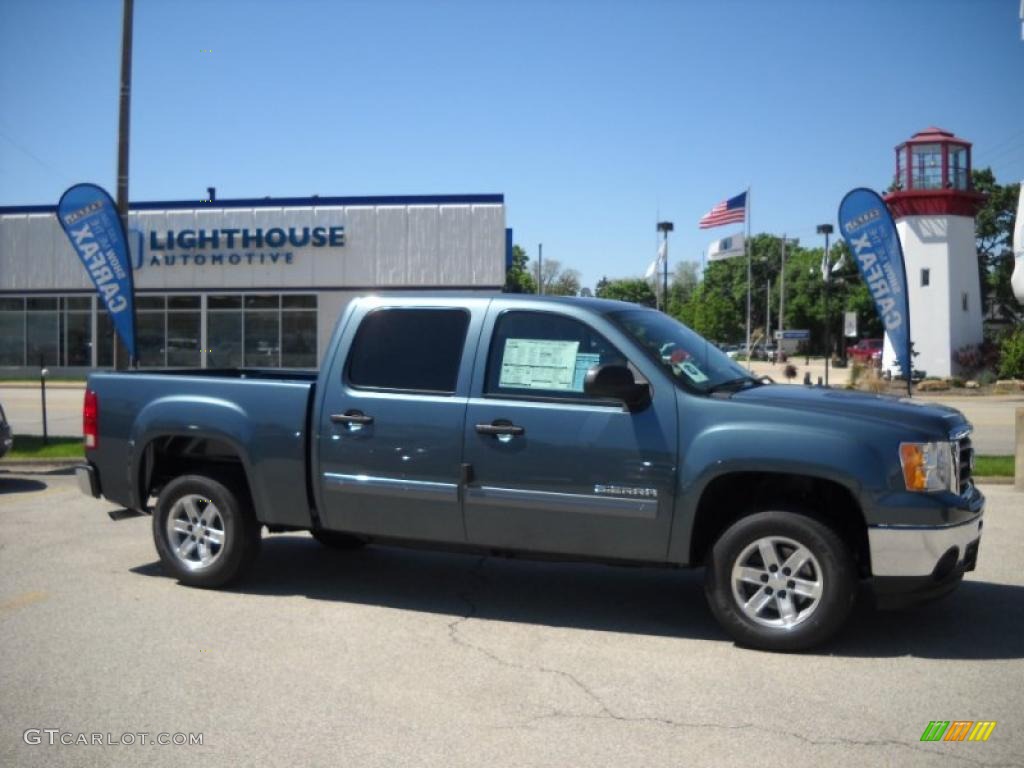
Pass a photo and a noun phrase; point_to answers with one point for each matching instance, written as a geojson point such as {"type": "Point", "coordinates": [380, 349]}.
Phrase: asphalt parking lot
{"type": "Point", "coordinates": [387, 657]}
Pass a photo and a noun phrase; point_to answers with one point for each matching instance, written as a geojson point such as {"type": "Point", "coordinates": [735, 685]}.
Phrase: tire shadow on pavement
{"type": "Point", "coordinates": [652, 601]}
{"type": "Point", "coordinates": [20, 485]}
{"type": "Point", "coordinates": [980, 620]}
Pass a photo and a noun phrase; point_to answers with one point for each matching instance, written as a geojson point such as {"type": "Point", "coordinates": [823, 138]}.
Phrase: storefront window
{"type": "Point", "coordinates": [298, 339]}
{"type": "Point", "coordinates": [262, 331]}
{"type": "Point", "coordinates": [224, 338]}
{"type": "Point", "coordinates": [259, 330]}
{"type": "Point", "coordinates": [42, 332]}
{"type": "Point", "coordinates": [183, 331]}
{"type": "Point", "coordinates": [104, 337]}
{"type": "Point", "coordinates": [12, 331]}
{"type": "Point", "coordinates": [149, 338]}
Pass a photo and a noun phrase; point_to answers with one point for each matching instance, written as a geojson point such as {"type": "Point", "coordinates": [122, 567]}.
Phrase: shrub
{"type": "Point", "coordinates": [985, 378]}
{"type": "Point", "coordinates": [975, 357]}
{"type": "Point", "coordinates": [1011, 356]}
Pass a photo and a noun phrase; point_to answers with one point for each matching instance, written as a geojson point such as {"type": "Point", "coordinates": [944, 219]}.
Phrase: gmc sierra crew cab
{"type": "Point", "coordinates": [549, 427]}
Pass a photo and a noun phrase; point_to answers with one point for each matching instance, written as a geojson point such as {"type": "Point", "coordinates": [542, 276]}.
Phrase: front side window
{"type": "Point", "coordinates": [693, 361]}
{"type": "Point", "coordinates": [408, 350]}
{"type": "Point", "coordinates": [539, 354]}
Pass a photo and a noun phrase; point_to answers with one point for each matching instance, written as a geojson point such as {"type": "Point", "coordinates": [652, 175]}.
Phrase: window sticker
{"type": "Point", "coordinates": [538, 364]}
{"type": "Point", "coordinates": [696, 375]}
{"type": "Point", "coordinates": [584, 362]}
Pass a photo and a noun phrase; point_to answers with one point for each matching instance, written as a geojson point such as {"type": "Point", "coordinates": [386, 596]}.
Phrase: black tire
{"type": "Point", "coordinates": [231, 508]}
{"type": "Point", "coordinates": [338, 540]}
{"type": "Point", "coordinates": [785, 597]}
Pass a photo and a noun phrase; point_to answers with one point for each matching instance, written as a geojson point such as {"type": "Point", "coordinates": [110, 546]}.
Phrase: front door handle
{"type": "Point", "coordinates": [352, 418]}
{"type": "Point", "coordinates": [501, 428]}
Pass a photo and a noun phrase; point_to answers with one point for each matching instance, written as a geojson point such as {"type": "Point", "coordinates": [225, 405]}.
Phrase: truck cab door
{"type": "Point", "coordinates": [389, 445]}
{"type": "Point", "coordinates": [551, 469]}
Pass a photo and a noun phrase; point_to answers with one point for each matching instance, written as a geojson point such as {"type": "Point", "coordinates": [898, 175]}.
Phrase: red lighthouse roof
{"type": "Point", "coordinates": [932, 134]}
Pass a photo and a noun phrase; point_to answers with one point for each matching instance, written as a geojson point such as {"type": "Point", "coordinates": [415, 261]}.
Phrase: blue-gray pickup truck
{"type": "Point", "coordinates": [549, 427]}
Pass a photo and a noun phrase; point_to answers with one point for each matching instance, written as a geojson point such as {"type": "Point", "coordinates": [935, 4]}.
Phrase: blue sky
{"type": "Point", "coordinates": [593, 118]}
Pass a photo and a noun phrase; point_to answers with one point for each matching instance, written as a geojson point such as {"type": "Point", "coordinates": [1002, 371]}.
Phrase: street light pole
{"type": "Point", "coordinates": [826, 230]}
{"type": "Point", "coordinates": [665, 227]}
{"type": "Point", "coordinates": [121, 359]}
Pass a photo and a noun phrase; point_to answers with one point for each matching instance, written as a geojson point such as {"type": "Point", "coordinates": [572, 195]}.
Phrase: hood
{"type": "Point", "coordinates": [937, 421]}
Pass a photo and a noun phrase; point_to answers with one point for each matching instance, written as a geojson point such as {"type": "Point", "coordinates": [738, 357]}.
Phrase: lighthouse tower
{"type": "Point", "coordinates": [934, 206]}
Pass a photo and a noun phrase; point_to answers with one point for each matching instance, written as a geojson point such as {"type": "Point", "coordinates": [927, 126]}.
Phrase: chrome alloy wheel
{"type": "Point", "coordinates": [195, 532]}
{"type": "Point", "coordinates": [777, 582]}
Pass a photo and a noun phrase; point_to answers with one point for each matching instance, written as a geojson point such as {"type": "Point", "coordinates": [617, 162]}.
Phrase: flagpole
{"type": "Point", "coordinates": [746, 244]}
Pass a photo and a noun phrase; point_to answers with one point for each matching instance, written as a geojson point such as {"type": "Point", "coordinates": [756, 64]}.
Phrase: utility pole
{"type": "Point", "coordinates": [665, 227]}
{"type": "Point", "coordinates": [826, 230]}
{"type": "Point", "coordinates": [121, 357]}
{"type": "Point", "coordinates": [782, 287]}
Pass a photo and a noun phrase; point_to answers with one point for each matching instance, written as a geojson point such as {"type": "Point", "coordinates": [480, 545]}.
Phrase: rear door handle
{"type": "Point", "coordinates": [500, 428]}
{"type": "Point", "coordinates": [351, 418]}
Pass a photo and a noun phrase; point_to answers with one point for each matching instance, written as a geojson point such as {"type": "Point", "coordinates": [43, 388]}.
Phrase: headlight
{"type": "Point", "coordinates": [929, 466]}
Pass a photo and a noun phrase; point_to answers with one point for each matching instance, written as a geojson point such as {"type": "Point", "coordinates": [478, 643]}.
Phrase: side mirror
{"type": "Point", "coordinates": [616, 382]}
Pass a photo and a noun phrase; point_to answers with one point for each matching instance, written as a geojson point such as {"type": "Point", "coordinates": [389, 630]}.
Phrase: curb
{"type": "Point", "coordinates": [35, 464]}
{"type": "Point", "coordinates": [35, 385]}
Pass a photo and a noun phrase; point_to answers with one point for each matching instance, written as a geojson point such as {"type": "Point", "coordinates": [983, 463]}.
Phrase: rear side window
{"type": "Point", "coordinates": [538, 354]}
{"type": "Point", "coordinates": [411, 350]}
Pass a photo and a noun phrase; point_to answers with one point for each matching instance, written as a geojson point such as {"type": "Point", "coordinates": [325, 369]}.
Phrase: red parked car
{"type": "Point", "coordinates": [866, 351]}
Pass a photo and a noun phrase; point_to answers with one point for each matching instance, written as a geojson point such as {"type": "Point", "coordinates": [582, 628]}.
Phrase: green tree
{"type": "Point", "coordinates": [994, 230]}
{"type": "Point", "coordinates": [634, 289]}
{"type": "Point", "coordinates": [557, 281]}
{"type": "Point", "coordinates": [518, 278]}
{"type": "Point", "coordinates": [684, 282]}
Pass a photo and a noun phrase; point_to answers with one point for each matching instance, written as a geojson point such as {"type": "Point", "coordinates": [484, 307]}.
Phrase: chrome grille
{"type": "Point", "coordinates": [963, 455]}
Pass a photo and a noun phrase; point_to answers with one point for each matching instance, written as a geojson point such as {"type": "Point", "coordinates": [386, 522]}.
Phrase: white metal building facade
{"type": "Point", "coordinates": [256, 282]}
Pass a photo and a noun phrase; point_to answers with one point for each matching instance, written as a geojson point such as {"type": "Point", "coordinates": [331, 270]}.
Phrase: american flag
{"type": "Point", "coordinates": [728, 211]}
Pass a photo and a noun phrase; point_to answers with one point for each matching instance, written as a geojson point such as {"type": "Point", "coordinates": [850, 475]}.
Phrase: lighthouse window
{"type": "Point", "coordinates": [963, 300]}
{"type": "Point", "coordinates": [958, 167]}
{"type": "Point", "coordinates": [926, 277]}
{"type": "Point", "coordinates": [927, 166]}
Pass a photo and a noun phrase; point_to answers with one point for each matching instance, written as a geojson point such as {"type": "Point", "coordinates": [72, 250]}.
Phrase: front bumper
{"type": "Point", "coordinates": [88, 480]}
{"type": "Point", "coordinates": [914, 564]}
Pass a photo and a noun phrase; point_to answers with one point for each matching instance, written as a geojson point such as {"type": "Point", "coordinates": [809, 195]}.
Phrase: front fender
{"type": "Point", "coordinates": [768, 448]}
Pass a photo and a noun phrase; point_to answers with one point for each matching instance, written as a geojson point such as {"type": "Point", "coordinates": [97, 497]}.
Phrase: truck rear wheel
{"type": "Point", "coordinates": [205, 531]}
{"type": "Point", "coordinates": [780, 581]}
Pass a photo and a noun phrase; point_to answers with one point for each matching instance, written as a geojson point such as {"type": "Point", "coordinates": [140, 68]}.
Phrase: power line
{"type": "Point", "coordinates": [30, 154]}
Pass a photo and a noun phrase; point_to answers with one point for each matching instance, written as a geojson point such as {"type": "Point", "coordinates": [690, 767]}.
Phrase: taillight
{"type": "Point", "coordinates": [91, 419]}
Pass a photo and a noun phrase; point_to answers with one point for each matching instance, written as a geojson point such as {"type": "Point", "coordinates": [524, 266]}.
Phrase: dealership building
{"type": "Point", "coordinates": [225, 283]}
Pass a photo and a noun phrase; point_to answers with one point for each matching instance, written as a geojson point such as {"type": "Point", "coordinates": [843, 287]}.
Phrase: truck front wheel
{"type": "Point", "coordinates": [205, 531]}
{"type": "Point", "coordinates": [780, 580]}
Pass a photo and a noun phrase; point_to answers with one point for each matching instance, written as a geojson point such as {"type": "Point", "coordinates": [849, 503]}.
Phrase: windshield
{"type": "Point", "coordinates": [691, 359]}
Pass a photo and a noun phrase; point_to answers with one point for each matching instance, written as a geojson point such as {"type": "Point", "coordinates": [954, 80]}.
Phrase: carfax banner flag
{"type": "Point", "coordinates": [867, 226]}
{"type": "Point", "coordinates": [90, 220]}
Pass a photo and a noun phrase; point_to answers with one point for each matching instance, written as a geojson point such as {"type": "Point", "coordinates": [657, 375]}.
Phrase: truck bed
{"type": "Point", "coordinates": [259, 415]}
